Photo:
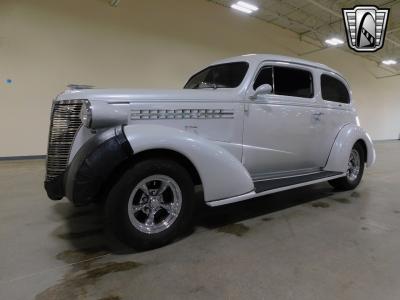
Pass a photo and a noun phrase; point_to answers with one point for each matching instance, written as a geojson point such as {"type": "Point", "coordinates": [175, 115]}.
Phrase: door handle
{"type": "Point", "coordinates": [317, 116]}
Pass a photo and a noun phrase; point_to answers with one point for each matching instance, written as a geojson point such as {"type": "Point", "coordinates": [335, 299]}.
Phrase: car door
{"type": "Point", "coordinates": [338, 111]}
{"type": "Point", "coordinates": [282, 130]}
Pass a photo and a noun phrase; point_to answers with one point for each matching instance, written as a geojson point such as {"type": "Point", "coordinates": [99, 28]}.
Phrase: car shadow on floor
{"type": "Point", "coordinates": [214, 217]}
{"type": "Point", "coordinates": [85, 230]}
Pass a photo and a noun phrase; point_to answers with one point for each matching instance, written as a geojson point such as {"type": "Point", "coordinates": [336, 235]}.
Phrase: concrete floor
{"type": "Point", "coordinates": [309, 243]}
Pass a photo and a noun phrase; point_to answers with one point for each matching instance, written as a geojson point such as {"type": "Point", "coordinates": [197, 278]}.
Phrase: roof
{"type": "Point", "coordinates": [258, 58]}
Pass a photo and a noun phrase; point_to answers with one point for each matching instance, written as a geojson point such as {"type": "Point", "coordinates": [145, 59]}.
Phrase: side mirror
{"type": "Point", "coordinates": [264, 89]}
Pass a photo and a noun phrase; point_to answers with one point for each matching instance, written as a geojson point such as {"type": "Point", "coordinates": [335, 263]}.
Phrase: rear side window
{"type": "Point", "coordinates": [293, 82]}
{"type": "Point", "coordinates": [334, 90]}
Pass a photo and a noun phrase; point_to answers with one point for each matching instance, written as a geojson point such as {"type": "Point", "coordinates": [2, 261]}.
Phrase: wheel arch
{"type": "Point", "coordinates": [364, 147]}
{"type": "Point", "coordinates": [347, 137]}
{"type": "Point", "coordinates": [221, 174]}
{"type": "Point", "coordinates": [169, 154]}
{"type": "Point", "coordinates": [119, 170]}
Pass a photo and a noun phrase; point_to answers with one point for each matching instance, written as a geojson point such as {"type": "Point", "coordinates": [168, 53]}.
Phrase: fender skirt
{"type": "Point", "coordinates": [91, 167]}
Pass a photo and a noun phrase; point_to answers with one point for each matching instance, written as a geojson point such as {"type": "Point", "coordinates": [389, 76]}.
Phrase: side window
{"type": "Point", "coordinates": [293, 82]}
{"type": "Point", "coordinates": [264, 77]}
{"type": "Point", "coordinates": [334, 90]}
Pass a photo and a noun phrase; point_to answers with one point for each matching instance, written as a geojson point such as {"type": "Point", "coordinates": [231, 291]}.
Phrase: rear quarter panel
{"type": "Point", "coordinates": [343, 144]}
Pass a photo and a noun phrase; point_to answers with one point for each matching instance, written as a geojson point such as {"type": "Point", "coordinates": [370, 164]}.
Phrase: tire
{"type": "Point", "coordinates": [151, 220]}
{"type": "Point", "coordinates": [351, 180]}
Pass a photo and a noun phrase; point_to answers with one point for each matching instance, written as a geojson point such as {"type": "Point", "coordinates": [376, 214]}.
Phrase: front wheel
{"type": "Point", "coordinates": [355, 170]}
{"type": "Point", "coordinates": [151, 204]}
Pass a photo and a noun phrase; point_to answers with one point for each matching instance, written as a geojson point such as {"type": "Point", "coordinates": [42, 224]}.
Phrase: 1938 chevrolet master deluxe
{"type": "Point", "coordinates": [243, 127]}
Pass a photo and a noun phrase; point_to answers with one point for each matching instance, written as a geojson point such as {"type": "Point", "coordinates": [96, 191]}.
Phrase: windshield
{"type": "Point", "coordinates": [228, 75]}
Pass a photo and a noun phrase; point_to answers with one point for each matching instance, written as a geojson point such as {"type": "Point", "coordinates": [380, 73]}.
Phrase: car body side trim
{"type": "Point", "coordinates": [254, 194]}
{"type": "Point", "coordinates": [257, 179]}
{"type": "Point", "coordinates": [271, 184]}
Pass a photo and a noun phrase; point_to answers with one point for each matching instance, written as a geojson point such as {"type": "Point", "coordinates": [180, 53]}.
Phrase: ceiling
{"type": "Point", "coordinates": [317, 20]}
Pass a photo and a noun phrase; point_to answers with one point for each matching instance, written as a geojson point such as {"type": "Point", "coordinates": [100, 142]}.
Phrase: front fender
{"type": "Point", "coordinates": [344, 142]}
{"type": "Point", "coordinates": [222, 175]}
{"type": "Point", "coordinates": [91, 167]}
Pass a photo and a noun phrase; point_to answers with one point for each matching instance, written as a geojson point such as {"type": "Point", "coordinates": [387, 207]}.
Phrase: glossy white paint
{"type": "Point", "coordinates": [291, 135]}
{"type": "Point", "coordinates": [222, 174]}
{"type": "Point", "coordinates": [231, 136]}
{"type": "Point", "coordinates": [271, 144]}
{"type": "Point", "coordinates": [106, 116]}
{"type": "Point", "coordinates": [344, 142]}
{"type": "Point", "coordinates": [137, 95]}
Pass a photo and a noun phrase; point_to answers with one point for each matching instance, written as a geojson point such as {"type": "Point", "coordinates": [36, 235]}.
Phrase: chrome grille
{"type": "Point", "coordinates": [65, 123]}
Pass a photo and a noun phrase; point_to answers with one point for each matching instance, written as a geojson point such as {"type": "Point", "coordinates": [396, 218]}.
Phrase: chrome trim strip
{"type": "Point", "coordinates": [282, 177]}
{"type": "Point", "coordinates": [252, 195]}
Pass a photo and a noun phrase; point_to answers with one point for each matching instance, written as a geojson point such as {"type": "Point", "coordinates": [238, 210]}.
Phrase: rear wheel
{"type": "Point", "coordinates": [151, 204]}
{"type": "Point", "coordinates": [355, 170]}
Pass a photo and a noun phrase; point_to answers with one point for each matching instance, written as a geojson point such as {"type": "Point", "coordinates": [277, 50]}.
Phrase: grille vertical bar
{"type": "Point", "coordinates": [65, 123]}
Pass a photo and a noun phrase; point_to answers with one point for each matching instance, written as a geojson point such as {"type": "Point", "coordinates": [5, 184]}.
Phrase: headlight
{"type": "Point", "coordinates": [100, 114]}
{"type": "Point", "coordinates": [86, 113]}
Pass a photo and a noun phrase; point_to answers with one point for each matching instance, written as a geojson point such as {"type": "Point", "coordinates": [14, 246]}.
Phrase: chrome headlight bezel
{"type": "Point", "coordinates": [86, 114]}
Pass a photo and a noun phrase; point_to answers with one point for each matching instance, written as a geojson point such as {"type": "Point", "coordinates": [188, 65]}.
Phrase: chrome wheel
{"type": "Point", "coordinates": [154, 204]}
{"type": "Point", "coordinates": [353, 165]}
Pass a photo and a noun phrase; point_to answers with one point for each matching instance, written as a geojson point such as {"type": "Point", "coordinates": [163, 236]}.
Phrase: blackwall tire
{"type": "Point", "coordinates": [150, 219]}
{"type": "Point", "coordinates": [355, 170]}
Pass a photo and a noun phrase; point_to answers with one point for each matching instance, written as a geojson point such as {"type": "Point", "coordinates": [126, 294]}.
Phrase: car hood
{"type": "Point", "coordinates": [138, 95]}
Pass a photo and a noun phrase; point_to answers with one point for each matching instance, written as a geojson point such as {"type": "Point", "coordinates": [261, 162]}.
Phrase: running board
{"type": "Point", "coordinates": [272, 184]}
{"type": "Point", "coordinates": [276, 185]}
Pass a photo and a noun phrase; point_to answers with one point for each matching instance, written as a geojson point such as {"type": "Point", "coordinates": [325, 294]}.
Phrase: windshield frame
{"type": "Point", "coordinates": [219, 65]}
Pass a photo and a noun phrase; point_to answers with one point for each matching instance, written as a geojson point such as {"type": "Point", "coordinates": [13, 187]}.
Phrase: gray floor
{"type": "Point", "coordinates": [309, 243]}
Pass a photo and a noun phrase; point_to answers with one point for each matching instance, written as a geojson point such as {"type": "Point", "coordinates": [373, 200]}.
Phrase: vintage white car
{"type": "Point", "coordinates": [243, 127]}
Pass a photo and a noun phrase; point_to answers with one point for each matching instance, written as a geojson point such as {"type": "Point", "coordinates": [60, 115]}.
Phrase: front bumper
{"type": "Point", "coordinates": [91, 168]}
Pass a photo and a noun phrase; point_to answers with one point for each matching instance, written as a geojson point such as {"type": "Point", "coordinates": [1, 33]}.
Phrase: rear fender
{"type": "Point", "coordinates": [344, 142]}
{"type": "Point", "coordinates": [221, 174]}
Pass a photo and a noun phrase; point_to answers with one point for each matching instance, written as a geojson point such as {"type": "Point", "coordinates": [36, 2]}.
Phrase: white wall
{"type": "Point", "coordinates": [47, 44]}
